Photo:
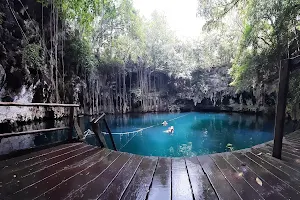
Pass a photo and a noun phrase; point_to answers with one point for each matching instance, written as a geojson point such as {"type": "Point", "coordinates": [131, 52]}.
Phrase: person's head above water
{"type": "Point", "coordinates": [165, 123]}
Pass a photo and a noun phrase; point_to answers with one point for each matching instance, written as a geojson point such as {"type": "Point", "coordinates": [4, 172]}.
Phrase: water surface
{"type": "Point", "coordinates": [195, 133]}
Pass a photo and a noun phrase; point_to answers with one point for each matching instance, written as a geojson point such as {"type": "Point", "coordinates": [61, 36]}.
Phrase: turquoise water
{"type": "Point", "coordinates": [195, 133]}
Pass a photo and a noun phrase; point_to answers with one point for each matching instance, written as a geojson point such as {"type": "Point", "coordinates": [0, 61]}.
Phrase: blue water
{"type": "Point", "coordinates": [195, 133]}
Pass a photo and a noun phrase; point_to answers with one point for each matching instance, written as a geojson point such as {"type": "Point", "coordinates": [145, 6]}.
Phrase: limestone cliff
{"type": "Point", "coordinates": [28, 75]}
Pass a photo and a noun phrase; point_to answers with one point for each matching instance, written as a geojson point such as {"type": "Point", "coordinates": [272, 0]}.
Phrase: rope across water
{"type": "Point", "coordinates": [148, 128]}
{"type": "Point", "coordinates": [89, 132]}
{"type": "Point", "coordinates": [122, 133]}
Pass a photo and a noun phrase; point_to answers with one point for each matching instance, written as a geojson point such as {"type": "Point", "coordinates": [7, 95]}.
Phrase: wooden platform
{"type": "Point", "coordinates": [81, 171]}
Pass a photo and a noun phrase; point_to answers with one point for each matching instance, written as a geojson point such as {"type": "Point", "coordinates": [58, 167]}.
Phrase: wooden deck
{"type": "Point", "coordinates": [81, 171]}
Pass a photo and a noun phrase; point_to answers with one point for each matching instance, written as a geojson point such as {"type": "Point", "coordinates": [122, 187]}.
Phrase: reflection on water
{"type": "Point", "coordinates": [195, 133]}
{"type": "Point", "coordinates": [11, 144]}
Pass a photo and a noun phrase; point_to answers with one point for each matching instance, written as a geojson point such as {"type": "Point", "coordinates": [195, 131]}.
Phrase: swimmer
{"type": "Point", "coordinates": [170, 130]}
{"type": "Point", "coordinates": [165, 123]}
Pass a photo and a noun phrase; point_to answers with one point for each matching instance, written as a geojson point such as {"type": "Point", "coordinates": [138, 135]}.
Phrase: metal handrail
{"type": "Point", "coordinates": [95, 130]}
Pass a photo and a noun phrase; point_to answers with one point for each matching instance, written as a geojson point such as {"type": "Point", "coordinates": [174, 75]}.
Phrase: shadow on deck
{"type": "Point", "coordinates": [81, 171]}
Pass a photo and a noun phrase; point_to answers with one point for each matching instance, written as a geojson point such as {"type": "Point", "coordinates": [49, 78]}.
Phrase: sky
{"type": "Point", "coordinates": [181, 15]}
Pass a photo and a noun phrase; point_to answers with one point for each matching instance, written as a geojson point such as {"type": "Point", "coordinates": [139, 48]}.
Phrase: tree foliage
{"type": "Point", "coordinates": [110, 36]}
{"type": "Point", "coordinates": [270, 32]}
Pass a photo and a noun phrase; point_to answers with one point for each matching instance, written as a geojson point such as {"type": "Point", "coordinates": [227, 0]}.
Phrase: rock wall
{"type": "Point", "coordinates": [134, 87]}
{"type": "Point", "coordinates": [210, 90]}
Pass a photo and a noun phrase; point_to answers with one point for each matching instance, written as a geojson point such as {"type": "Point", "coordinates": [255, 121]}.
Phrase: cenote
{"type": "Point", "coordinates": [194, 133]}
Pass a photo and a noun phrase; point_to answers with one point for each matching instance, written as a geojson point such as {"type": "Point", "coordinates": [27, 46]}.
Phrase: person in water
{"type": "Point", "coordinates": [170, 130]}
{"type": "Point", "coordinates": [165, 123]}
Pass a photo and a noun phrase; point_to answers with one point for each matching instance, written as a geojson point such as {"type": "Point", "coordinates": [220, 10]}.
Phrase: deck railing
{"type": "Point", "coordinates": [98, 133]}
{"type": "Point", "coordinates": [72, 122]}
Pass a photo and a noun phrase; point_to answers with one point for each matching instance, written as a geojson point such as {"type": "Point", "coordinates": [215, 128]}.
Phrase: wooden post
{"type": "Point", "coordinates": [95, 128]}
{"type": "Point", "coordinates": [78, 129]}
{"type": "Point", "coordinates": [101, 136]}
{"type": "Point", "coordinates": [110, 135]}
{"type": "Point", "coordinates": [281, 107]}
{"type": "Point", "coordinates": [71, 123]}
{"type": "Point", "coordinates": [80, 119]}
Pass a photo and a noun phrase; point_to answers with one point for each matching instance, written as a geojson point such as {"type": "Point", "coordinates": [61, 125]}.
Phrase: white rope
{"type": "Point", "coordinates": [122, 133]}
{"type": "Point", "coordinates": [150, 127]}
{"type": "Point", "coordinates": [89, 132]}
{"type": "Point", "coordinates": [128, 141]}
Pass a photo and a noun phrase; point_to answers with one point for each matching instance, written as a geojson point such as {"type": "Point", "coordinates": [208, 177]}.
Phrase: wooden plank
{"type": "Point", "coordinates": [220, 184]}
{"type": "Point", "coordinates": [288, 149]}
{"type": "Point", "coordinates": [290, 180]}
{"type": "Point", "coordinates": [14, 176]}
{"type": "Point", "coordinates": [28, 170]}
{"type": "Point", "coordinates": [63, 190]}
{"type": "Point", "coordinates": [295, 134]}
{"type": "Point", "coordinates": [265, 190]}
{"type": "Point", "coordinates": [121, 182]}
{"type": "Point", "coordinates": [201, 186]}
{"type": "Point", "coordinates": [294, 140]}
{"type": "Point", "coordinates": [263, 174]}
{"type": "Point", "coordinates": [284, 159]}
{"type": "Point", "coordinates": [6, 135]}
{"type": "Point", "coordinates": [71, 169]}
{"type": "Point", "coordinates": [21, 164]}
{"type": "Point", "coordinates": [281, 107]}
{"type": "Point", "coordinates": [71, 124]}
{"type": "Point", "coordinates": [181, 187]}
{"type": "Point", "coordinates": [295, 144]}
{"type": "Point", "coordinates": [34, 155]}
{"type": "Point", "coordinates": [292, 144]}
{"type": "Point", "coordinates": [37, 104]}
{"type": "Point", "coordinates": [291, 148]}
{"type": "Point", "coordinates": [95, 187]}
{"type": "Point", "coordinates": [139, 186]}
{"type": "Point", "coordinates": [236, 180]}
{"type": "Point", "coordinates": [293, 157]}
{"type": "Point", "coordinates": [161, 184]}
{"type": "Point", "coordinates": [276, 162]}
{"type": "Point", "coordinates": [38, 183]}
{"type": "Point", "coordinates": [290, 135]}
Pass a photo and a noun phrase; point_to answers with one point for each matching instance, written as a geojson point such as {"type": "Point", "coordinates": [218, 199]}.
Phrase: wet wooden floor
{"type": "Point", "coordinates": [81, 171]}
